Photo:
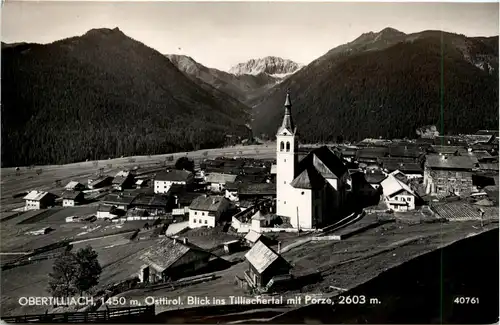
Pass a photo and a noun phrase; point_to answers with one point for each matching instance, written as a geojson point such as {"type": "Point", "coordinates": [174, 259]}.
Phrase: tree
{"type": "Point", "coordinates": [89, 269]}
{"type": "Point", "coordinates": [184, 163]}
{"type": "Point", "coordinates": [340, 138]}
{"type": "Point", "coordinates": [62, 282]}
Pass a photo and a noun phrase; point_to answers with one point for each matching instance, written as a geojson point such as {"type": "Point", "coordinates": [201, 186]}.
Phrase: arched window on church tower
{"type": "Point", "coordinates": [282, 146]}
{"type": "Point", "coordinates": [287, 146]}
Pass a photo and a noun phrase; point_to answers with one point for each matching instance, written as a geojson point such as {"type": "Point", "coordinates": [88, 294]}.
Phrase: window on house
{"type": "Point", "coordinates": [195, 213]}
{"type": "Point", "coordinates": [284, 202]}
{"type": "Point", "coordinates": [206, 221]}
{"type": "Point", "coordinates": [282, 146]}
{"type": "Point", "coordinates": [302, 193]}
{"type": "Point", "coordinates": [284, 160]}
{"type": "Point", "coordinates": [284, 182]}
{"type": "Point", "coordinates": [203, 213]}
{"type": "Point", "coordinates": [287, 146]}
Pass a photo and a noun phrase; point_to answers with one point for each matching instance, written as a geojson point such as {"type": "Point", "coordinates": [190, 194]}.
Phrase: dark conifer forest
{"type": "Point", "coordinates": [105, 95]}
{"type": "Point", "coordinates": [389, 84]}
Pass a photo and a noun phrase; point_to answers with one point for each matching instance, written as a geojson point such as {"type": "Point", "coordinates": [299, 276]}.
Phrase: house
{"type": "Point", "coordinates": [349, 153]}
{"type": "Point", "coordinates": [36, 200]}
{"type": "Point", "coordinates": [448, 150]}
{"type": "Point", "coordinates": [252, 237]}
{"type": "Point", "coordinates": [106, 211]}
{"type": "Point", "coordinates": [74, 186]}
{"type": "Point", "coordinates": [154, 204]}
{"type": "Point", "coordinates": [405, 151]}
{"type": "Point", "coordinates": [310, 193]}
{"type": "Point", "coordinates": [164, 180]}
{"type": "Point", "coordinates": [172, 259]}
{"type": "Point", "coordinates": [218, 181]}
{"type": "Point", "coordinates": [72, 198]}
{"type": "Point", "coordinates": [449, 174]}
{"type": "Point", "coordinates": [400, 175]}
{"type": "Point", "coordinates": [100, 182]}
{"type": "Point", "coordinates": [179, 200]}
{"type": "Point", "coordinates": [122, 201]}
{"type": "Point", "coordinates": [123, 179]}
{"type": "Point", "coordinates": [370, 155]}
{"type": "Point", "coordinates": [397, 195]}
{"type": "Point", "coordinates": [232, 191]}
{"type": "Point", "coordinates": [206, 211]}
{"type": "Point", "coordinates": [264, 264]}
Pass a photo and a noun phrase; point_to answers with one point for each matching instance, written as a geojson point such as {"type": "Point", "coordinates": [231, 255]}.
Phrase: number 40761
{"type": "Point", "coordinates": [466, 300]}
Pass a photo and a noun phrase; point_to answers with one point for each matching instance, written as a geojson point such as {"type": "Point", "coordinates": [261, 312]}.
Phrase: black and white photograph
{"type": "Point", "coordinates": [249, 162]}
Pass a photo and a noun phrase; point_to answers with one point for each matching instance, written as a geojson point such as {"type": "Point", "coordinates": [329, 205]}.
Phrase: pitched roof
{"type": "Point", "coordinates": [309, 178]}
{"type": "Point", "coordinates": [37, 195]}
{"type": "Point", "coordinates": [174, 175]}
{"type": "Point", "coordinates": [220, 178]}
{"type": "Point", "coordinates": [407, 167]}
{"type": "Point", "coordinates": [391, 185]}
{"type": "Point", "coordinates": [71, 195]}
{"type": "Point", "coordinates": [165, 253]}
{"type": "Point", "coordinates": [374, 177]}
{"type": "Point", "coordinates": [124, 198]}
{"type": "Point", "coordinates": [448, 149]}
{"type": "Point", "coordinates": [257, 189]}
{"type": "Point", "coordinates": [149, 200]}
{"type": "Point", "coordinates": [100, 179]}
{"type": "Point", "coordinates": [122, 173]}
{"type": "Point", "coordinates": [261, 256]}
{"type": "Point", "coordinates": [450, 162]}
{"type": "Point", "coordinates": [372, 152]}
{"type": "Point", "coordinates": [328, 164]}
{"type": "Point", "coordinates": [72, 185]}
{"type": "Point", "coordinates": [253, 236]}
{"type": "Point", "coordinates": [106, 208]}
{"type": "Point", "coordinates": [208, 203]}
{"type": "Point", "coordinates": [404, 151]}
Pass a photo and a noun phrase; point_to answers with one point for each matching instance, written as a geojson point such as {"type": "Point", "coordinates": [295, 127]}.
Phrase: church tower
{"type": "Point", "coordinates": [286, 162]}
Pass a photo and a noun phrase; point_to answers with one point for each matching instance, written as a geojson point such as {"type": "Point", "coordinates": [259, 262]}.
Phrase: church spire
{"type": "Point", "coordinates": [287, 119]}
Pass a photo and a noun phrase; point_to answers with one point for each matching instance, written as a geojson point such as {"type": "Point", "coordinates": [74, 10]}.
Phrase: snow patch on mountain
{"type": "Point", "coordinates": [271, 65]}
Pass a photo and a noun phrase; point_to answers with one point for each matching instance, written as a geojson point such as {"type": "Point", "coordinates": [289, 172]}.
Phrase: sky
{"type": "Point", "coordinates": [222, 34]}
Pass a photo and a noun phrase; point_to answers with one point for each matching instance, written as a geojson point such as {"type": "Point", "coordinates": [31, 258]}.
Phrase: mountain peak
{"type": "Point", "coordinates": [271, 65]}
{"type": "Point", "coordinates": [104, 32]}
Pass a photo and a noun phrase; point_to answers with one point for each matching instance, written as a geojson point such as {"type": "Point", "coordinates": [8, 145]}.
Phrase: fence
{"type": "Point", "coordinates": [85, 317]}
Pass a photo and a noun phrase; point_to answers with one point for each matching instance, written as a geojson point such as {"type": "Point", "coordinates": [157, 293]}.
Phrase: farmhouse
{"type": "Point", "coordinates": [449, 174]}
{"type": "Point", "coordinates": [312, 192]}
{"type": "Point", "coordinates": [100, 182]}
{"type": "Point", "coordinates": [154, 204]}
{"type": "Point", "coordinates": [36, 200]}
{"type": "Point", "coordinates": [218, 181]}
{"type": "Point", "coordinates": [124, 179]}
{"type": "Point", "coordinates": [72, 198]}
{"type": "Point", "coordinates": [172, 259]}
{"type": "Point", "coordinates": [205, 211]}
{"type": "Point", "coordinates": [106, 211]}
{"type": "Point", "coordinates": [397, 195]}
{"type": "Point", "coordinates": [165, 180]}
{"type": "Point", "coordinates": [74, 186]}
{"type": "Point", "coordinates": [122, 201]}
{"type": "Point", "coordinates": [264, 264]}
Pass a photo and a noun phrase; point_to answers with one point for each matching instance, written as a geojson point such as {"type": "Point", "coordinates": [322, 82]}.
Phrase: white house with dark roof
{"type": "Point", "coordinates": [36, 200]}
{"type": "Point", "coordinates": [312, 192]}
{"type": "Point", "coordinates": [397, 195]}
{"type": "Point", "coordinates": [445, 174]}
{"type": "Point", "coordinates": [72, 198]}
{"type": "Point", "coordinates": [164, 180]}
{"type": "Point", "coordinates": [205, 211]}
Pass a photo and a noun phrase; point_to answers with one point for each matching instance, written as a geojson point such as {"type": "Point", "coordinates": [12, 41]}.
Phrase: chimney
{"type": "Point", "coordinates": [279, 247]}
{"type": "Point", "coordinates": [214, 201]}
{"type": "Point", "coordinates": [185, 241]}
{"type": "Point", "coordinates": [175, 241]}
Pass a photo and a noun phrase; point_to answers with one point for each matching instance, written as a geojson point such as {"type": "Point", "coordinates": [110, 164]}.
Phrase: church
{"type": "Point", "coordinates": [310, 193]}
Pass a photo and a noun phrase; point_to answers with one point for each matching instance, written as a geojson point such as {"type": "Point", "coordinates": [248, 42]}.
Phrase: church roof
{"type": "Point", "coordinates": [309, 178]}
{"type": "Point", "coordinates": [325, 162]}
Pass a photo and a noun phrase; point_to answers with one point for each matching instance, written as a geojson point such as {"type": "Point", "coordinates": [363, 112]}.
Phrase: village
{"type": "Point", "coordinates": [280, 218]}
